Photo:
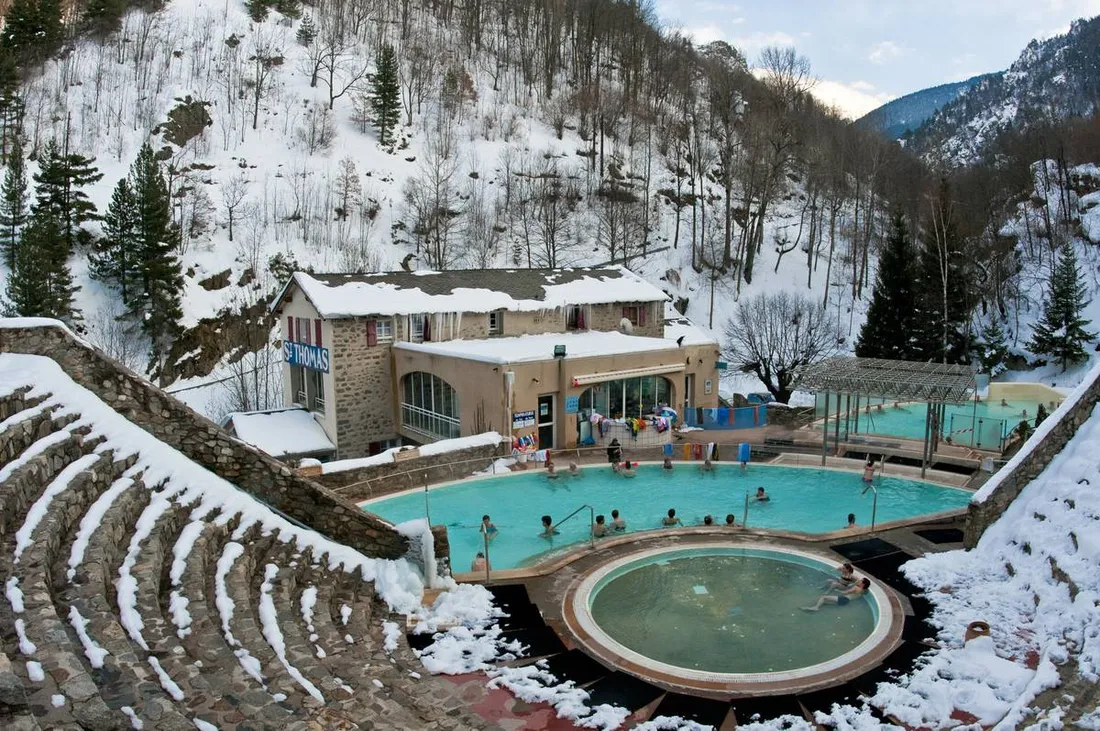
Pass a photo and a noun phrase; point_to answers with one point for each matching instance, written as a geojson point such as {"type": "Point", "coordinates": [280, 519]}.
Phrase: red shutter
{"type": "Point", "coordinates": [305, 331]}
{"type": "Point", "coordinates": [641, 314]}
{"type": "Point", "coordinates": [372, 333]}
{"type": "Point", "coordinates": [317, 327]}
{"type": "Point", "coordinates": [289, 334]}
{"type": "Point", "coordinates": [580, 319]}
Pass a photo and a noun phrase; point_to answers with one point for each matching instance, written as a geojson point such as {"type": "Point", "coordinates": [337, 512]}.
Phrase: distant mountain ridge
{"type": "Point", "coordinates": [1052, 80]}
{"type": "Point", "coordinates": [909, 112]}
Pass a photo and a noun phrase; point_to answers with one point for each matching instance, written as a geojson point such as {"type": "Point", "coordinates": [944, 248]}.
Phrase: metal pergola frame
{"type": "Point", "coordinates": [935, 384]}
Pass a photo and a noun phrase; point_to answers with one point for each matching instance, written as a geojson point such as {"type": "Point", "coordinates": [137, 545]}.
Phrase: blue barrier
{"type": "Point", "coordinates": [726, 419]}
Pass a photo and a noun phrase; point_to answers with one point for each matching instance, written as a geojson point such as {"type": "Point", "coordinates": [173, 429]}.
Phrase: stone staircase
{"type": "Point", "coordinates": [135, 598]}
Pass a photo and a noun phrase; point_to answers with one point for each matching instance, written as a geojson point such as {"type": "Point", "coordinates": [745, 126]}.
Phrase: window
{"type": "Point", "coordinates": [630, 397]}
{"type": "Point", "coordinates": [429, 406]}
{"type": "Point", "coordinates": [298, 385]}
{"type": "Point", "coordinates": [315, 390]}
{"type": "Point", "coordinates": [575, 318]}
{"type": "Point", "coordinates": [383, 330]}
{"type": "Point", "coordinates": [636, 314]}
{"type": "Point", "coordinates": [496, 322]}
{"type": "Point", "coordinates": [418, 327]}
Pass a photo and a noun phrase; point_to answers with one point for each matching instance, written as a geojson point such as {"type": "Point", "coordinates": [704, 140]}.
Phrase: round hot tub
{"type": "Point", "coordinates": [725, 615]}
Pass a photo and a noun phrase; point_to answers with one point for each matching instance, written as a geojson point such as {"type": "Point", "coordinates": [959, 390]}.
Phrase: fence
{"type": "Point", "coordinates": [726, 419]}
{"type": "Point", "coordinates": [980, 432]}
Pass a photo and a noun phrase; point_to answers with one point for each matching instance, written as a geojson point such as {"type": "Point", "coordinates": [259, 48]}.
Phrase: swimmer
{"type": "Point", "coordinates": [731, 522]}
{"type": "Point", "coordinates": [574, 470]}
{"type": "Point", "coordinates": [551, 471]}
{"type": "Point", "coordinates": [845, 597]}
{"type": "Point", "coordinates": [707, 466]}
{"type": "Point", "coordinates": [845, 580]}
{"type": "Point", "coordinates": [879, 408]}
{"type": "Point", "coordinates": [599, 529]}
{"type": "Point", "coordinates": [617, 524]}
{"type": "Point", "coordinates": [761, 496]}
{"type": "Point", "coordinates": [628, 470]}
{"type": "Point", "coordinates": [851, 521]}
{"type": "Point", "coordinates": [671, 520]}
{"type": "Point", "coordinates": [668, 464]}
{"type": "Point", "coordinates": [480, 563]}
{"type": "Point", "coordinates": [1004, 404]}
{"type": "Point", "coordinates": [548, 529]}
{"type": "Point", "coordinates": [488, 528]}
{"type": "Point", "coordinates": [708, 520]}
{"type": "Point", "coordinates": [1024, 413]}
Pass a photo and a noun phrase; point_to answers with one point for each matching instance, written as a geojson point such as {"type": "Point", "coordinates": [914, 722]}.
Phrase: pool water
{"type": "Point", "coordinates": [983, 424]}
{"type": "Point", "coordinates": [729, 611]}
{"type": "Point", "coordinates": [804, 500]}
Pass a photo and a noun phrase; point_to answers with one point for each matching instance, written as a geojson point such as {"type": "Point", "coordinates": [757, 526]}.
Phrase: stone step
{"type": "Point", "coordinates": [25, 477]}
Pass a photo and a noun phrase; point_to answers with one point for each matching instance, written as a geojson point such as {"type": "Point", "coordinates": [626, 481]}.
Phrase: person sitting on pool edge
{"type": "Point", "coordinates": [851, 521]}
{"type": "Point", "coordinates": [843, 598]}
{"type": "Point", "coordinates": [548, 529]}
{"type": "Point", "coordinates": [488, 528]}
{"type": "Point", "coordinates": [617, 524]}
{"type": "Point", "coordinates": [845, 580]}
{"type": "Point", "coordinates": [599, 528]}
{"type": "Point", "coordinates": [671, 520]}
{"type": "Point", "coordinates": [667, 464]}
{"type": "Point", "coordinates": [628, 469]}
{"type": "Point", "coordinates": [731, 522]}
{"type": "Point", "coordinates": [761, 496]}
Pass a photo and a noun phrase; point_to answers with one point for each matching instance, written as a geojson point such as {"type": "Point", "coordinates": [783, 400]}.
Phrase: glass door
{"type": "Point", "coordinates": [546, 421]}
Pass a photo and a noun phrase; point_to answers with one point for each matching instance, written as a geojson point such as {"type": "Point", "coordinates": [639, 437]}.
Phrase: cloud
{"type": "Point", "coordinates": [705, 34]}
{"type": "Point", "coordinates": [752, 44]}
{"type": "Point", "coordinates": [851, 100]}
{"type": "Point", "coordinates": [885, 51]}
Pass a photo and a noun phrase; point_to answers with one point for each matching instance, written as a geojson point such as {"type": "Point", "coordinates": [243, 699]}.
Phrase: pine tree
{"type": "Point", "coordinates": [385, 93]}
{"type": "Point", "coordinates": [41, 285]}
{"type": "Point", "coordinates": [58, 189]}
{"type": "Point", "coordinates": [160, 271]}
{"type": "Point", "coordinates": [307, 32]}
{"type": "Point", "coordinates": [1040, 414]}
{"type": "Point", "coordinates": [103, 16]}
{"type": "Point", "coordinates": [116, 255]}
{"type": "Point", "coordinates": [13, 204]}
{"type": "Point", "coordinates": [12, 105]}
{"type": "Point", "coordinates": [891, 320]}
{"type": "Point", "coordinates": [993, 348]}
{"type": "Point", "coordinates": [944, 284]}
{"type": "Point", "coordinates": [1061, 333]}
{"type": "Point", "coordinates": [32, 28]}
{"type": "Point", "coordinates": [257, 10]}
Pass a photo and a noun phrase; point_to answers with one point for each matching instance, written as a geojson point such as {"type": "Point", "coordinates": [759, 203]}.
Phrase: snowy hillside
{"type": "Point", "coordinates": [1053, 79]}
{"type": "Point", "coordinates": [895, 118]}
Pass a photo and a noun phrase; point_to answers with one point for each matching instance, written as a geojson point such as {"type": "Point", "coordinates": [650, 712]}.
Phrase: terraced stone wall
{"type": "Point", "coordinates": [205, 443]}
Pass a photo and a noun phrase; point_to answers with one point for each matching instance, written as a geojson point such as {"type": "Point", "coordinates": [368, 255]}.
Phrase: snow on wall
{"type": "Point", "coordinates": [443, 446]}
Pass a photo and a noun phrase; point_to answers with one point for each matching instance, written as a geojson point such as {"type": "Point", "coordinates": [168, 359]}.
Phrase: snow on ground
{"type": "Point", "coordinates": [444, 446]}
{"type": "Point", "coordinates": [269, 623]}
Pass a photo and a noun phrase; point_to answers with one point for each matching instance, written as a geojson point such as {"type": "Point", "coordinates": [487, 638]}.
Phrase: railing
{"type": "Point", "coordinates": [430, 423]}
{"type": "Point", "coordinates": [748, 417]}
{"type": "Point", "coordinates": [591, 522]}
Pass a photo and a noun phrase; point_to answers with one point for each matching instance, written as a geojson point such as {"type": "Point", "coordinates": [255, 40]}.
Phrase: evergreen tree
{"type": "Point", "coordinates": [103, 16]}
{"type": "Point", "coordinates": [41, 285]}
{"type": "Point", "coordinates": [116, 255]}
{"type": "Point", "coordinates": [11, 103]}
{"type": "Point", "coordinates": [944, 285]}
{"type": "Point", "coordinates": [1040, 414]}
{"type": "Point", "coordinates": [160, 271]}
{"type": "Point", "coordinates": [257, 10]}
{"type": "Point", "coordinates": [58, 190]}
{"type": "Point", "coordinates": [385, 95]}
{"type": "Point", "coordinates": [891, 326]}
{"type": "Point", "coordinates": [32, 28]}
{"type": "Point", "coordinates": [307, 32]}
{"type": "Point", "coordinates": [1061, 333]}
{"type": "Point", "coordinates": [13, 204]}
{"type": "Point", "coordinates": [993, 349]}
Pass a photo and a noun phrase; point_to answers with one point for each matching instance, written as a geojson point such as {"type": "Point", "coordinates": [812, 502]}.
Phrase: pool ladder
{"type": "Point", "coordinates": [591, 538]}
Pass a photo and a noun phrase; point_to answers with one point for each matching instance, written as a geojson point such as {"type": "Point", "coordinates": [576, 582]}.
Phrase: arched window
{"type": "Point", "coordinates": [429, 406]}
{"type": "Point", "coordinates": [630, 397]}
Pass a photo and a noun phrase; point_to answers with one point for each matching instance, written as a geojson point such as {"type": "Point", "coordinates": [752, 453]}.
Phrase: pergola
{"type": "Point", "coordinates": [934, 384]}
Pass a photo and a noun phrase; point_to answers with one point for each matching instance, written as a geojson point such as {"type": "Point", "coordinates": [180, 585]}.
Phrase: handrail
{"type": "Point", "coordinates": [874, 505]}
{"type": "Point", "coordinates": [591, 522]}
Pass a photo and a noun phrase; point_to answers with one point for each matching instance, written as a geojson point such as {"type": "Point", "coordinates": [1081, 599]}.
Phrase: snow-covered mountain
{"type": "Point", "coordinates": [1051, 81]}
{"type": "Point", "coordinates": [908, 113]}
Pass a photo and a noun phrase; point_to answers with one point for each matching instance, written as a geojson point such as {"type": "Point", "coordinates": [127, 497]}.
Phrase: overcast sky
{"type": "Point", "coordinates": [866, 52]}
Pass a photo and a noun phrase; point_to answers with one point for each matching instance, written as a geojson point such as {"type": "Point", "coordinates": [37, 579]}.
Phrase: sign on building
{"type": "Point", "coordinates": [307, 356]}
{"type": "Point", "coordinates": [523, 419]}
{"type": "Point", "coordinates": [572, 404]}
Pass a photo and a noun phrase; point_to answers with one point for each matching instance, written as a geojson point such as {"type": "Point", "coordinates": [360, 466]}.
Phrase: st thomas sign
{"type": "Point", "coordinates": [307, 356]}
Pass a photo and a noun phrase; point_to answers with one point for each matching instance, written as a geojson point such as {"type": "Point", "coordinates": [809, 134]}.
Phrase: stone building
{"type": "Point", "coordinates": [413, 357]}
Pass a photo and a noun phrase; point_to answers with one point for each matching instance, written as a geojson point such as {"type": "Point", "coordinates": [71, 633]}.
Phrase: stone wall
{"type": "Point", "coordinates": [205, 443]}
{"type": "Point", "coordinates": [1028, 464]}
{"type": "Point", "coordinates": [363, 389]}
{"type": "Point", "coordinates": [367, 482]}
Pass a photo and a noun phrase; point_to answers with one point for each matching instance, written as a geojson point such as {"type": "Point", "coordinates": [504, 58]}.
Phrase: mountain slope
{"type": "Point", "coordinates": [909, 112]}
{"type": "Point", "coordinates": [1052, 80]}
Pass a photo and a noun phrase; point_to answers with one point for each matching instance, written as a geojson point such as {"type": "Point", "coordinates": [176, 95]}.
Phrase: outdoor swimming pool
{"type": "Point", "coordinates": [981, 424]}
{"type": "Point", "coordinates": [804, 500]}
{"type": "Point", "coordinates": [728, 611]}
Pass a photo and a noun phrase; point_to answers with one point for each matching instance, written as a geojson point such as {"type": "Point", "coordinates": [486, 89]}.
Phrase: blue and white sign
{"type": "Point", "coordinates": [523, 419]}
{"type": "Point", "coordinates": [307, 356]}
{"type": "Point", "coordinates": [572, 404]}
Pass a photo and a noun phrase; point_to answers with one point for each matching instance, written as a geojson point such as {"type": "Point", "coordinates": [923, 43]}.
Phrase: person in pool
{"type": "Point", "coordinates": [671, 520]}
{"type": "Point", "coordinates": [851, 521]}
{"type": "Point", "coordinates": [551, 471]}
{"type": "Point", "coordinates": [845, 580]}
{"type": "Point", "coordinates": [708, 520]}
{"type": "Point", "coordinates": [548, 529]}
{"type": "Point", "coordinates": [599, 528]}
{"type": "Point", "coordinates": [480, 563]}
{"type": "Point", "coordinates": [627, 470]}
{"type": "Point", "coordinates": [843, 598]}
{"type": "Point", "coordinates": [707, 466]}
{"type": "Point", "coordinates": [761, 496]}
{"type": "Point", "coordinates": [731, 522]}
{"type": "Point", "coordinates": [574, 470]}
{"type": "Point", "coordinates": [617, 523]}
{"type": "Point", "coordinates": [488, 528]}
{"type": "Point", "coordinates": [869, 469]}
{"type": "Point", "coordinates": [668, 464]}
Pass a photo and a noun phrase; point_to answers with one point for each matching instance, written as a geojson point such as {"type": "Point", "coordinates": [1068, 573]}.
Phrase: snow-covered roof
{"type": "Point", "coordinates": [681, 327]}
{"type": "Point", "coordinates": [443, 446]}
{"type": "Point", "coordinates": [470, 290]}
{"type": "Point", "coordinates": [281, 432]}
{"type": "Point", "coordinates": [531, 348]}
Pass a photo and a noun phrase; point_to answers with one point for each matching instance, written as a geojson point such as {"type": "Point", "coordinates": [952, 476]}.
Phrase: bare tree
{"type": "Point", "coordinates": [775, 335]}
{"type": "Point", "coordinates": [339, 63]}
{"type": "Point", "coordinates": [266, 57]}
{"type": "Point", "coordinates": [432, 201]}
{"type": "Point", "coordinates": [234, 192]}
{"type": "Point", "coordinates": [348, 189]}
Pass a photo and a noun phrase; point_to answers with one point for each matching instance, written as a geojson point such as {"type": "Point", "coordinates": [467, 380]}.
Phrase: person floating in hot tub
{"type": "Point", "coordinates": [488, 528]}
{"type": "Point", "coordinates": [761, 496]}
{"type": "Point", "coordinates": [843, 598]}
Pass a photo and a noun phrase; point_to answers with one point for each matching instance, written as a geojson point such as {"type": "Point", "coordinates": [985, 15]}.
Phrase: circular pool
{"type": "Point", "coordinates": [725, 614]}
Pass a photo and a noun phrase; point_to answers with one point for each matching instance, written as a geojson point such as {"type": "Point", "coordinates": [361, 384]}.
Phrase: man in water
{"type": "Point", "coordinates": [480, 563]}
{"type": "Point", "coordinates": [617, 524]}
{"type": "Point", "coordinates": [574, 470]}
{"type": "Point", "coordinates": [599, 529]}
{"type": "Point", "coordinates": [487, 528]}
{"type": "Point", "coordinates": [851, 521]}
{"type": "Point", "coordinates": [671, 520]}
{"type": "Point", "coordinates": [844, 598]}
{"type": "Point", "coordinates": [731, 522]}
{"type": "Point", "coordinates": [668, 464]}
{"type": "Point", "coordinates": [614, 453]}
{"type": "Point", "coordinates": [548, 529]}
{"type": "Point", "coordinates": [845, 580]}
{"type": "Point", "coordinates": [708, 520]}
{"type": "Point", "coordinates": [551, 470]}
{"type": "Point", "coordinates": [761, 496]}
{"type": "Point", "coordinates": [707, 466]}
